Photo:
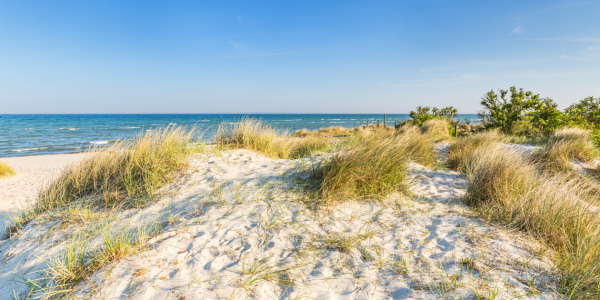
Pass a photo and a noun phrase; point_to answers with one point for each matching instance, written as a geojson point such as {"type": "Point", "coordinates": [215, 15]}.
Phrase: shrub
{"type": "Point", "coordinates": [5, 170]}
{"type": "Point", "coordinates": [524, 112]}
{"type": "Point", "coordinates": [131, 170]}
{"type": "Point", "coordinates": [464, 147]}
{"type": "Point", "coordinates": [504, 186]}
{"type": "Point", "coordinates": [425, 113]}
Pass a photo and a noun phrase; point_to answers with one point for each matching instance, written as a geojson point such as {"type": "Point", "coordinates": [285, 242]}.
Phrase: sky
{"type": "Point", "coordinates": [291, 56]}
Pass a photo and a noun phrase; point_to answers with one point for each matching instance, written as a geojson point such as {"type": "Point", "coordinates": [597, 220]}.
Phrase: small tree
{"type": "Point", "coordinates": [425, 113]}
{"type": "Point", "coordinates": [500, 112]}
{"type": "Point", "coordinates": [585, 113]}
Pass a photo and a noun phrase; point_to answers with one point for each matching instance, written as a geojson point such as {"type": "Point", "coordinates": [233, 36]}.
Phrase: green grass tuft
{"type": "Point", "coordinates": [373, 167]}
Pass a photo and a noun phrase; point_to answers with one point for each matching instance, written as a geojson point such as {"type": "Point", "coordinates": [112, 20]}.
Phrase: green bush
{"type": "Point", "coordinates": [524, 113]}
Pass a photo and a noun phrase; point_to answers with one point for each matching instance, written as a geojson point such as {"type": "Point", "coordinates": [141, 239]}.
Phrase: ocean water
{"type": "Point", "coordinates": [22, 135]}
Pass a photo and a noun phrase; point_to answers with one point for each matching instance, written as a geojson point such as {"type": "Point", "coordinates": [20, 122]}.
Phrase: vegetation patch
{"type": "Point", "coordinates": [79, 260]}
{"type": "Point", "coordinates": [506, 187]}
{"type": "Point", "coordinates": [463, 148]}
{"type": "Point", "coordinates": [5, 170]}
{"type": "Point", "coordinates": [255, 135]}
{"type": "Point", "coordinates": [566, 145]}
{"type": "Point", "coordinates": [375, 167]}
{"type": "Point", "coordinates": [127, 173]}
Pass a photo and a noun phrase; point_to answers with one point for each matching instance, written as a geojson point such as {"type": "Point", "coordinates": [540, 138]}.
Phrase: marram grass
{"type": "Point", "coordinates": [126, 173]}
{"type": "Point", "coordinates": [253, 134]}
{"type": "Point", "coordinates": [374, 167]}
{"type": "Point", "coordinates": [505, 186]}
{"type": "Point", "coordinates": [464, 147]}
{"type": "Point", "coordinates": [565, 145]}
{"type": "Point", "coordinates": [5, 170]}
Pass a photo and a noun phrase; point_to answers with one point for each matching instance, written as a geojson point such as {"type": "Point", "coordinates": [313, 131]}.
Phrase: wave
{"type": "Point", "coordinates": [333, 119]}
{"type": "Point", "coordinates": [172, 123]}
{"type": "Point", "coordinates": [99, 142]}
{"type": "Point", "coordinates": [30, 149]}
{"type": "Point", "coordinates": [337, 122]}
{"type": "Point", "coordinates": [66, 128]}
{"type": "Point", "coordinates": [131, 127]}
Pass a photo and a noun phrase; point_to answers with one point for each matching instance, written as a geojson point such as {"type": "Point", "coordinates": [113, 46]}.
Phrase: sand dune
{"type": "Point", "coordinates": [235, 227]}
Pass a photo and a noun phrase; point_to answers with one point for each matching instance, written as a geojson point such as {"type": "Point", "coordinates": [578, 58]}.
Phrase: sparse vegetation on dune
{"type": "Point", "coordinates": [255, 135]}
{"type": "Point", "coordinates": [464, 147]}
{"type": "Point", "coordinates": [437, 128]}
{"type": "Point", "coordinates": [79, 260]}
{"type": "Point", "coordinates": [127, 172]}
{"type": "Point", "coordinates": [566, 145]}
{"type": "Point", "coordinates": [5, 170]}
{"type": "Point", "coordinates": [505, 186]}
{"type": "Point", "coordinates": [374, 166]}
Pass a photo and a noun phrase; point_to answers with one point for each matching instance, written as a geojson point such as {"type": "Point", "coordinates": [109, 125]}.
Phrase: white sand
{"type": "Point", "coordinates": [19, 191]}
{"type": "Point", "coordinates": [235, 227]}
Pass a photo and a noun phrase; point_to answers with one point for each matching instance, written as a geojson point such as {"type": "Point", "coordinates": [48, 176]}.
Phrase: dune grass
{"type": "Point", "coordinates": [5, 170]}
{"type": "Point", "coordinates": [464, 147]}
{"type": "Point", "coordinates": [504, 186]}
{"type": "Point", "coordinates": [127, 173]}
{"type": "Point", "coordinates": [253, 134]}
{"type": "Point", "coordinates": [437, 128]}
{"type": "Point", "coordinates": [565, 145]}
{"type": "Point", "coordinates": [79, 259]}
{"type": "Point", "coordinates": [373, 167]}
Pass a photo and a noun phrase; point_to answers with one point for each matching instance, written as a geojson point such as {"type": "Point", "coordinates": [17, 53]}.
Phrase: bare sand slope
{"type": "Point", "coordinates": [235, 226]}
{"type": "Point", "coordinates": [32, 172]}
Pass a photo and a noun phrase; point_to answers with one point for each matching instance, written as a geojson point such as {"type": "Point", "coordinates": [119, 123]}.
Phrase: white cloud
{"type": "Point", "coordinates": [517, 30]}
{"type": "Point", "coordinates": [575, 40]}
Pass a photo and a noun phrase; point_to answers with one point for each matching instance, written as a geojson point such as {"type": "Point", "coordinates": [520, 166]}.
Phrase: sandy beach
{"type": "Point", "coordinates": [234, 226]}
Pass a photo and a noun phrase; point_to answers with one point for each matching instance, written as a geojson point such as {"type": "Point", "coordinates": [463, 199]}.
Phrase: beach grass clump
{"type": "Point", "coordinates": [255, 135]}
{"type": "Point", "coordinates": [566, 145]}
{"type": "Point", "coordinates": [464, 147]}
{"type": "Point", "coordinates": [5, 170]}
{"type": "Point", "coordinates": [505, 186]}
{"type": "Point", "coordinates": [308, 146]}
{"type": "Point", "coordinates": [375, 167]}
{"type": "Point", "coordinates": [127, 172]}
{"type": "Point", "coordinates": [438, 128]}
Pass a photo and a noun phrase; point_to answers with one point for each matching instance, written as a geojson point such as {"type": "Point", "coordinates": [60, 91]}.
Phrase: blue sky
{"type": "Point", "coordinates": [291, 56]}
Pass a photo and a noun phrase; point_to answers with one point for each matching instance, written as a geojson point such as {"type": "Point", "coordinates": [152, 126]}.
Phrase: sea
{"type": "Point", "coordinates": [23, 135]}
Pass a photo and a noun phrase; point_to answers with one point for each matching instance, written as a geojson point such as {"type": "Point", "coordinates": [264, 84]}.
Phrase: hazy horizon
{"type": "Point", "coordinates": [158, 57]}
